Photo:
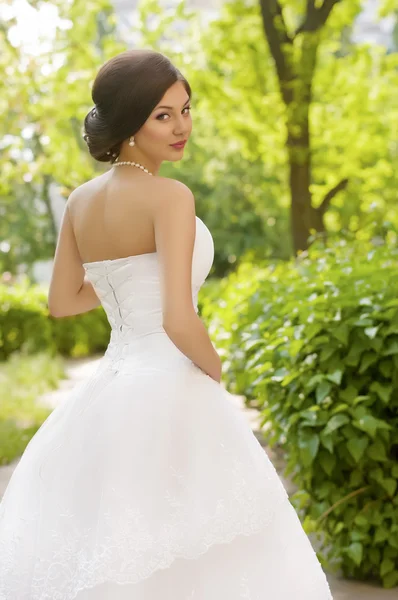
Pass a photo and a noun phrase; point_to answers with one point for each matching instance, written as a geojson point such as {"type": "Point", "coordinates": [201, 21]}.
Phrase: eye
{"type": "Point", "coordinates": [162, 114]}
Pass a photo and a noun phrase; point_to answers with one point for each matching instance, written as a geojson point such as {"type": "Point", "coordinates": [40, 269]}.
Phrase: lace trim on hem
{"type": "Point", "coordinates": [165, 564]}
{"type": "Point", "coordinates": [126, 541]}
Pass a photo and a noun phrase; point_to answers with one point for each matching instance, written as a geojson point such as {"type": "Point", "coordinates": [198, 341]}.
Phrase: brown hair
{"type": "Point", "coordinates": [125, 91]}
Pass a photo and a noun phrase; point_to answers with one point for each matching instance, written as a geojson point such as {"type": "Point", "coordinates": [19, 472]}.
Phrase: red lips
{"type": "Point", "coordinates": [179, 144]}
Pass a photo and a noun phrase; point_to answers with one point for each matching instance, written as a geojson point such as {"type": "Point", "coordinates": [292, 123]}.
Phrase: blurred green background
{"type": "Point", "coordinates": [291, 136]}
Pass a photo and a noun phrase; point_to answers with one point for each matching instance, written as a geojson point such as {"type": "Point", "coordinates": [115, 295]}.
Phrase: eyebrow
{"type": "Point", "coordinates": [171, 107]}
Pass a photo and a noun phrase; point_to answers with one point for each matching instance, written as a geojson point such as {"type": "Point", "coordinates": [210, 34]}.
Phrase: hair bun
{"type": "Point", "coordinates": [93, 113]}
{"type": "Point", "coordinates": [96, 136]}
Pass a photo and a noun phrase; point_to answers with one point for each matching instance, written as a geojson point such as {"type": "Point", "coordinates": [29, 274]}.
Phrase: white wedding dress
{"type": "Point", "coordinates": [148, 483]}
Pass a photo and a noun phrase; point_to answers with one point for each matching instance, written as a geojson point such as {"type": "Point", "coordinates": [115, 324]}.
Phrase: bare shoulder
{"type": "Point", "coordinates": [87, 188]}
{"type": "Point", "coordinates": [172, 184]}
{"type": "Point", "coordinates": [172, 195]}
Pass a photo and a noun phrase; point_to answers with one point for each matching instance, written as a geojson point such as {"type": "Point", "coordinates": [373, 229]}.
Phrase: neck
{"type": "Point", "coordinates": [138, 157]}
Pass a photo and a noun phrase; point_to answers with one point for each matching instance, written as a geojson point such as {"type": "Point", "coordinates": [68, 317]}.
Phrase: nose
{"type": "Point", "coordinates": [181, 126]}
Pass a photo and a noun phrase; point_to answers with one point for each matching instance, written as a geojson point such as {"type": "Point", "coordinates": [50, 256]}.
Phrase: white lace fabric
{"type": "Point", "coordinates": [147, 482]}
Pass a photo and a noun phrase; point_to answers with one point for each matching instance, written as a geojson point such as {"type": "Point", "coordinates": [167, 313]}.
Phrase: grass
{"type": "Point", "coordinates": [23, 378]}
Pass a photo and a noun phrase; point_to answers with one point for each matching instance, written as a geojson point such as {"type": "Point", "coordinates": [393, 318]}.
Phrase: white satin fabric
{"type": "Point", "coordinates": [147, 483]}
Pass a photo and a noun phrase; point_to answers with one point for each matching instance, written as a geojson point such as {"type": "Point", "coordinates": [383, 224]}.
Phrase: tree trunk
{"type": "Point", "coordinates": [299, 183]}
{"type": "Point", "coordinates": [299, 144]}
{"type": "Point", "coordinates": [300, 205]}
{"type": "Point", "coordinates": [295, 55]}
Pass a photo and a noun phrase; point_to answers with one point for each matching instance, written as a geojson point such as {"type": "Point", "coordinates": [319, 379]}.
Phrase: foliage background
{"type": "Point", "coordinates": [236, 161]}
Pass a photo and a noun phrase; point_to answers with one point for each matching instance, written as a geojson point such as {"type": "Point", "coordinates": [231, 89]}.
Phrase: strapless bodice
{"type": "Point", "coordinates": [130, 292]}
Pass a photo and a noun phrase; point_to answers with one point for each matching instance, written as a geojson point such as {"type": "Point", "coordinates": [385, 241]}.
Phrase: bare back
{"type": "Point", "coordinates": [113, 216]}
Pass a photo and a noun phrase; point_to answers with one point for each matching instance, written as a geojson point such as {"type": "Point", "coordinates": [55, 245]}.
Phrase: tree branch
{"type": "Point", "coordinates": [277, 36]}
{"type": "Point", "coordinates": [315, 18]}
{"type": "Point", "coordinates": [283, 32]}
{"type": "Point", "coordinates": [331, 194]}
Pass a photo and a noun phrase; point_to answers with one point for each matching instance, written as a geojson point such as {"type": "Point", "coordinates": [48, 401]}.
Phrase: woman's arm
{"type": "Point", "coordinates": [70, 293]}
{"type": "Point", "coordinates": [175, 230]}
{"type": "Point", "coordinates": [85, 300]}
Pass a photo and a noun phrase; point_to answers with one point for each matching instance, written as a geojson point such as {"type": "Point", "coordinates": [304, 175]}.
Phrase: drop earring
{"type": "Point", "coordinates": [132, 142]}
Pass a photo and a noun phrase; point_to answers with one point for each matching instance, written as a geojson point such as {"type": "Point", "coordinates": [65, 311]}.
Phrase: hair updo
{"type": "Point", "coordinates": [125, 91]}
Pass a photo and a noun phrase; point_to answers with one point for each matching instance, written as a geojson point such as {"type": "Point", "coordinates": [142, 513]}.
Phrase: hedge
{"type": "Point", "coordinates": [26, 325]}
{"type": "Point", "coordinates": [314, 344]}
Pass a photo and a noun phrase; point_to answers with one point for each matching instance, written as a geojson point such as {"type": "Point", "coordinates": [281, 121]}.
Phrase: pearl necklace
{"type": "Point", "coordinates": [133, 164]}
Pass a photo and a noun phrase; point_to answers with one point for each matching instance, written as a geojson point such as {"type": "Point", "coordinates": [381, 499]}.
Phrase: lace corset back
{"type": "Point", "coordinates": [129, 287]}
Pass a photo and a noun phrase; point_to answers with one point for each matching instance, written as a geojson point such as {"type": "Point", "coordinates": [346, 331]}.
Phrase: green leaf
{"type": "Point", "coordinates": [300, 499]}
{"type": "Point", "coordinates": [360, 399]}
{"type": "Point", "coordinates": [309, 417]}
{"type": "Point", "coordinates": [370, 424]}
{"type": "Point", "coordinates": [335, 422]}
{"type": "Point", "coordinates": [386, 367]}
{"type": "Point", "coordinates": [348, 431]}
{"type": "Point", "coordinates": [339, 527]}
{"type": "Point", "coordinates": [392, 328]}
{"type": "Point", "coordinates": [391, 303]}
{"type": "Point", "coordinates": [377, 451]}
{"type": "Point", "coordinates": [313, 330]}
{"type": "Point", "coordinates": [353, 357]}
{"type": "Point", "coordinates": [368, 359]}
{"type": "Point", "coordinates": [356, 478]}
{"type": "Point", "coordinates": [363, 322]}
{"type": "Point", "coordinates": [357, 446]}
{"type": "Point", "coordinates": [390, 580]}
{"type": "Point", "coordinates": [359, 411]}
{"type": "Point", "coordinates": [391, 346]}
{"type": "Point", "coordinates": [387, 565]}
{"type": "Point", "coordinates": [355, 552]}
{"type": "Point", "coordinates": [384, 391]}
{"type": "Point", "coordinates": [314, 380]}
{"type": "Point", "coordinates": [341, 333]}
{"type": "Point", "coordinates": [308, 444]}
{"type": "Point", "coordinates": [348, 394]}
{"type": "Point", "coordinates": [393, 540]}
{"type": "Point", "coordinates": [376, 474]}
{"type": "Point", "coordinates": [327, 441]}
{"type": "Point", "coordinates": [341, 407]}
{"type": "Point", "coordinates": [374, 555]}
{"type": "Point", "coordinates": [371, 331]}
{"type": "Point", "coordinates": [327, 462]}
{"type": "Point", "coordinates": [326, 353]}
{"type": "Point", "coordinates": [322, 391]}
{"type": "Point", "coordinates": [381, 534]}
{"type": "Point", "coordinates": [390, 485]}
{"type": "Point", "coordinates": [358, 535]}
{"type": "Point", "coordinates": [335, 377]}
{"type": "Point", "coordinates": [361, 520]}
{"type": "Point", "coordinates": [280, 374]}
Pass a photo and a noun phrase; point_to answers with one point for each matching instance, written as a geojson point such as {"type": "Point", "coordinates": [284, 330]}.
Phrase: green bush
{"type": "Point", "coordinates": [23, 379]}
{"type": "Point", "coordinates": [315, 342]}
{"type": "Point", "coordinates": [26, 325]}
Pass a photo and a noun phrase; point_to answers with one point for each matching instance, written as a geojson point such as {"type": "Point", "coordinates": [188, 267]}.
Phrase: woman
{"type": "Point", "coordinates": [146, 483]}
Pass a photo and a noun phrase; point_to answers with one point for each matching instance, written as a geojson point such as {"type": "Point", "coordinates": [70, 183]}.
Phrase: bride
{"type": "Point", "coordinates": [147, 482]}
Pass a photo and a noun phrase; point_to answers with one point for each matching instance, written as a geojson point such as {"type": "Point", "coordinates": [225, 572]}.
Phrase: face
{"type": "Point", "coordinates": [169, 122]}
